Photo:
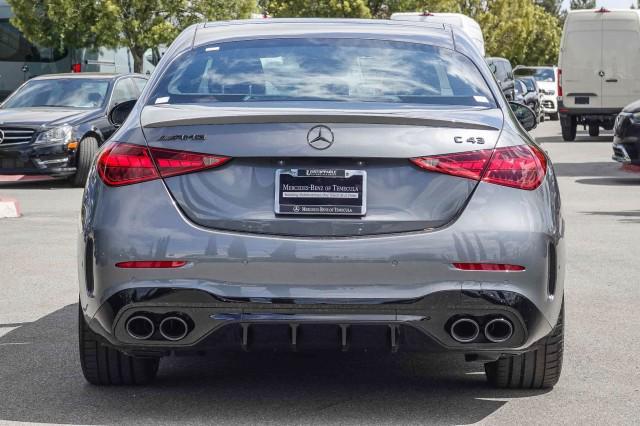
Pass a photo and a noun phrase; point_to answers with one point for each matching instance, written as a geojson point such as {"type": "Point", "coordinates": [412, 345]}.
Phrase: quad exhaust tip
{"type": "Point", "coordinates": [174, 328]}
{"type": "Point", "coordinates": [498, 330]}
{"type": "Point", "coordinates": [140, 327]}
{"type": "Point", "coordinates": [465, 330]}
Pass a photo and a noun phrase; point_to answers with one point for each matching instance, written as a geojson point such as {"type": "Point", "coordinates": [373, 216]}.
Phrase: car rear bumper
{"type": "Point", "coordinates": [422, 324]}
{"type": "Point", "coordinates": [234, 278]}
{"type": "Point", "coordinates": [53, 160]}
{"type": "Point", "coordinates": [549, 104]}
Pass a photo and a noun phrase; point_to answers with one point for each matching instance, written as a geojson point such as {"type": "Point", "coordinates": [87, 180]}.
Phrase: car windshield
{"type": "Point", "coordinates": [70, 93]}
{"type": "Point", "coordinates": [531, 86]}
{"type": "Point", "coordinates": [546, 75]}
{"type": "Point", "coordinates": [349, 70]}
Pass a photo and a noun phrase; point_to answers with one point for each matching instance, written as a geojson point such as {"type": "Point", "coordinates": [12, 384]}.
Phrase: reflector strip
{"type": "Point", "coordinates": [502, 267]}
{"type": "Point", "coordinates": [159, 264]}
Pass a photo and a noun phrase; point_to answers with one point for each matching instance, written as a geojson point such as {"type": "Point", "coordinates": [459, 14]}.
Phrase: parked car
{"type": "Point", "coordinates": [599, 60]}
{"type": "Point", "coordinates": [626, 136]}
{"type": "Point", "coordinates": [359, 186]}
{"type": "Point", "coordinates": [533, 96]}
{"type": "Point", "coordinates": [469, 25]}
{"type": "Point", "coordinates": [520, 91]}
{"type": "Point", "coordinates": [503, 73]}
{"type": "Point", "coordinates": [54, 124]}
{"type": "Point", "coordinates": [547, 82]}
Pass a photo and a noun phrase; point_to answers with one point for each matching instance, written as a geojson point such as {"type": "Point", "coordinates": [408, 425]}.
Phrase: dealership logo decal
{"type": "Point", "coordinates": [320, 137]}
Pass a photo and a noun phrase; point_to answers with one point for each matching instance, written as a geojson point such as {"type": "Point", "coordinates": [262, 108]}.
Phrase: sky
{"type": "Point", "coordinates": [612, 4]}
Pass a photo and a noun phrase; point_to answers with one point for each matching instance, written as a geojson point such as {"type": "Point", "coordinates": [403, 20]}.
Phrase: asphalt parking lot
{"type": "Point", "coordinates": [40, 378]}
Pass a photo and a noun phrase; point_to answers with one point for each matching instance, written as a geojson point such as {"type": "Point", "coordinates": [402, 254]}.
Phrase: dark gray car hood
{"type": "Point", "coordinates": [48, 116]}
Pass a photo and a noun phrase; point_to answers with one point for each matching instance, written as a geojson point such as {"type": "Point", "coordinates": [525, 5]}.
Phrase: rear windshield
{"type": "Point", "coordinates": [349, 70]}
{"type": "Point", "coordinates": [539, 74]}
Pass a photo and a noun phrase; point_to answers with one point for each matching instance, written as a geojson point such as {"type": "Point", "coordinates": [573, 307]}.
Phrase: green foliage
{"type": "Point", "coordinates": [582, 4]}
{"type": "Point", "coordinates": [136, 24]}
{"type": "Point", "coordinates": [316, 8]}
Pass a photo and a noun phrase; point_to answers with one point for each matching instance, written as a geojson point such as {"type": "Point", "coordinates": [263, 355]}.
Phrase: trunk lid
{"type": "Point", "coordinates": [241, 195]}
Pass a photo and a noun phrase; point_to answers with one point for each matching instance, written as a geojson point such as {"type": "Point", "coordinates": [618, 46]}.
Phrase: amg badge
{"type": "Point", "coordinates": [171, 138]}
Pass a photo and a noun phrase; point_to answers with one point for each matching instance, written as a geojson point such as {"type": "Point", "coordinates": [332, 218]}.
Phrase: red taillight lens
{"type": "Point", "coordinates": [488, 267]}
{"type": "Point", "coordinates": [126, 164]}
{"type": "Point", "coordinates": [76, 67]}
{"type": "Point", "coordinates": [559, 83]}
{"type": "Point", "coordinates": [464, 164]}
{"type": "Point", "coordinates": [520, 166]}
{"type": "Point", "coordinates": [159, 264]}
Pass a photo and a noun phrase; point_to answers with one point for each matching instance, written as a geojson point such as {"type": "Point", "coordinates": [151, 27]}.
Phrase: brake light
{"type": "Point", "coordinates": [559, 83]}
{"type": "Point", "coordinates": [125, 164]}
{"type": "Point", "coordinates": [519, 166]}
{"type": "Point", "coordinates": [159, 264]}
{"type": "Point", "coordinates": [603, 10]}
{"type": "Point", "coordinates": [76, 67]}
{"type": "Point", "coordinates": [488, 267]}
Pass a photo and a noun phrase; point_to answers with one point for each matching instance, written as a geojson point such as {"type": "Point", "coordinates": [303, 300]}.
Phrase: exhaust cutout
{"type": "Point", "coordinates": [174, 328]}
{"type": "Point", "coordinates": [140, 327]}
{"type": "Point", "coordinates": [498, 330]}
{"type": "Point", "coordinates": [465, 330]}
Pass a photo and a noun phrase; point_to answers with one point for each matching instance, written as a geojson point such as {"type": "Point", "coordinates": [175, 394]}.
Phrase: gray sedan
{"type": "Point", "coordinates": [318, 185]}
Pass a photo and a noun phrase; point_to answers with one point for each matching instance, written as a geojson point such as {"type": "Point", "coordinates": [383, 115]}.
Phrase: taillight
{"type": "Point", "coordinates": [519, 166]}
{"type": "Point", "coordinates": [125, 164]}
{"type": "Point", "coordinates": [76, 67]}
{"type": "Point", "coordinates": [559, 83]}
{"type": "Point", "coordinates": [157, 264]}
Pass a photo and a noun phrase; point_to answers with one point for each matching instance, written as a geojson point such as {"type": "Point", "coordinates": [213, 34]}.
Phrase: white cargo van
{"type": "Point", "coordinates": [468, 25]}
{"type": "Point", "coordinates": [599, 68]}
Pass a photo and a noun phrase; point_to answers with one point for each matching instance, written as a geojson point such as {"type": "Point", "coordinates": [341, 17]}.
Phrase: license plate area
{"type": "Point", "coordinates": [321, 192]}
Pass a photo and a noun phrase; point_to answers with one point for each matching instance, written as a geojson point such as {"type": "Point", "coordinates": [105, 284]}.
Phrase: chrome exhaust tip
{"type": "Point", "coordinates": [174, 328]}
{"type": "Point", "coordinates": [498, 330]}
{"type": "Point", "coordinates": [465, 330]}
{"type": "Point", "coordinates": [140, 327]}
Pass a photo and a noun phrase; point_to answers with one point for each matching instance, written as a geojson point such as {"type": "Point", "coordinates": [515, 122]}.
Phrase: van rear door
{"type": "Point", "coordinates": [581, 61]}
{"type": "Point", "coordinates": [620, 58]}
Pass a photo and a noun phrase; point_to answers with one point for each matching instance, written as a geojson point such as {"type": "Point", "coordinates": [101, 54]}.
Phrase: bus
{"type": "Point", "coordinates": [21, 60]}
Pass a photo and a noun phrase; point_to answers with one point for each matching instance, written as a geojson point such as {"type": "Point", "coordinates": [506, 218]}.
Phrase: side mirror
{"type": "Point", "coordinates": [120, 112]}
{"type": "Point", "coordinates": [493, 68]}
{"type": "Point", "coordinates": [525, 115]}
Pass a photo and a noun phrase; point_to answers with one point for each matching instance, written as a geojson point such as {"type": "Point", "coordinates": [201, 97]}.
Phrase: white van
{"type": "Point", "coordinates": [468, 25]}
{"type": "Point", "coordinates": [599, 68]}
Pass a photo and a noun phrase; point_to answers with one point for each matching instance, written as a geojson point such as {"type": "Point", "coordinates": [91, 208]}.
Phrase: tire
{"type": "Point", "coordinates": [569, 129]}
{"type": "Point", "coordinates": [594, 130]}
{"type": "Point", "coordinates": [86, 151]}
{"type": "Point", "coordinates": [102, 365]}
{"type": "Point", "coordinates": [537, 369]}
{"type": "Point", "coordinates": [555, 116]}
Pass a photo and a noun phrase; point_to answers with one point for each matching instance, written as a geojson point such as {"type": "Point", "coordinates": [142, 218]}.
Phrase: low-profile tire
{"type": "Point", "coordinates": [554, 117]}
{"type": "Point", "coordinates": [86, 151]}
{"type": "Point", "coordinates": [569, 129]}
{"type": "Point", "coordinates": [594, 130]}
{"type": "Point", "coordinates": [102, 365]}
{"type": "Point", "coordinates": [537, 369]}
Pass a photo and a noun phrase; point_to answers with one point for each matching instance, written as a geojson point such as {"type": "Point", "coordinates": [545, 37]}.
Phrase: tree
{"type": "Point", "coordinates": [135, 24]}
{"type": "Point", "coordinates": [551, 6]}
{"type": "Point", "coordinates": [582, 4]}
{"type": "Point", "coordinates": [316, 8]}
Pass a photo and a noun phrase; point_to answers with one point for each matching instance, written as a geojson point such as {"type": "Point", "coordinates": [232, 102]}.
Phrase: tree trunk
{"type": "Point", "coordinates": [138, 58]}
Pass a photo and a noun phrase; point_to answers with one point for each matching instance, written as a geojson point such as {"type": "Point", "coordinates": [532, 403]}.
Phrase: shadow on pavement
{"type": "Point", "coordinates": [579, 139]}
{"type": "Point", "coordinates": [41, 382]}
{"type": "Point", "coordinates": [43, 184]}
{"type": "Point", "coordinates": [628, 216]}
{"type": "Point", "coordinates": [610, 181]}
{"type": "Point", "coordinates": [603, 168]}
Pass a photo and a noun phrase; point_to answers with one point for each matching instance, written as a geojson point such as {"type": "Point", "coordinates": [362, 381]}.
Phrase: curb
{"type": "Point", "coordinates": [9, 208]}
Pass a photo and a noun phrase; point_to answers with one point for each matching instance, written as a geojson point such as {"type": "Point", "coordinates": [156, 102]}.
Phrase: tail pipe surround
{"type": "Point", "coordinates": [140, 327]}
{"type": "Point", "coordinates": [173, 328]}
{"type": "Point", "coordinates": [465, 330]}
{"type": "Point", "coordinates": [498, 330]}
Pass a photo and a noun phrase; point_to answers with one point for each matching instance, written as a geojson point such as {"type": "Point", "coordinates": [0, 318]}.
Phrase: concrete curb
{"type": "Point", "coordinates": [9, 208]}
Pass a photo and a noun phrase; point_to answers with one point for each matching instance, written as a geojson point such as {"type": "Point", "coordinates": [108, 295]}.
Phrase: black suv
{"type": "Point", "coordinates": [54, 124]}
{"type": "Point", "coordinates": [503, 72]}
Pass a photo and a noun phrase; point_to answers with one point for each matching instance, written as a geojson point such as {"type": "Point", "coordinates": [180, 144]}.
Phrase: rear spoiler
{"type": "Point", "coordinates": [182, 115]}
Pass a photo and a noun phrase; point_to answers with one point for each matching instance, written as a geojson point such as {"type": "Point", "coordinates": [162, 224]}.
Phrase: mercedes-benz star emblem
{"type": "Point", "coordinates": [1, 135]}
{"type": "Point", "coordinates": [320, 137]}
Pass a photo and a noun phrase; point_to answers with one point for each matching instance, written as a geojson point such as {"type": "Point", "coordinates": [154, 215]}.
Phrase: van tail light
{"type": "Point", "coordinates": [502, 267]}
{"type": "Point", "coordinates": [559, 83]}
{"type": "Point", "coordinates": [519, 166]}
{"type": "Point", "coordinates": [76, 67]}
{"type": "Point", "coordinates": [125, 164]}
{"type": "Point", "coordinates": [146, 264]}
